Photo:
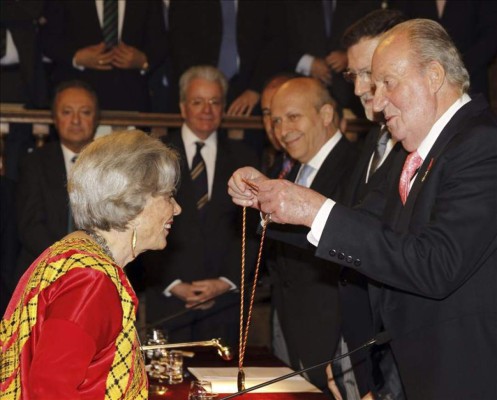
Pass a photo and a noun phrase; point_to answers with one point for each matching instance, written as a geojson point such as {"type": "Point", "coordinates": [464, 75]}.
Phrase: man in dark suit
{"type": "Point", "coordinates": [42, 201]}
{"type": "Point", "coordinates": [203, 257]}
{"type": "Point", "coordinates": [315, 29]}
{"type": "Point", "coordinates": [113, 58]}
{"type": "Point", "coordinates": [197, 32]}
{"type": "Point", "coordinates": [378, 152]}
{"type": "Point", "coordinates": [22, 76]}
{"type": "Point", "coordinates": [430, 235]}
{"type": "Point", "coordinates": [305, 293]}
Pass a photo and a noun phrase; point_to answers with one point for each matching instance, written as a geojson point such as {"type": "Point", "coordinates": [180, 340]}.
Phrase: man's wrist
{"type": "Point", "coordinates": [76, 65]}
{"type": "Point", "coordinates": [144, 68]}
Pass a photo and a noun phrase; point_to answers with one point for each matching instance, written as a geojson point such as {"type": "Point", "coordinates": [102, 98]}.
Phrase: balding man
{"type": "Point", "coordinates": [305, 293]}
{"type": "Point", "coordinates": [42, 202]}
{"type": "Point", "coordinates": [429, 236]}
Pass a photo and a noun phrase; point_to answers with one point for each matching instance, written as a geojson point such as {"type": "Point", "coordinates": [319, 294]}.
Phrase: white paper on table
{"type": "Point", "coordinates": [224, 380]}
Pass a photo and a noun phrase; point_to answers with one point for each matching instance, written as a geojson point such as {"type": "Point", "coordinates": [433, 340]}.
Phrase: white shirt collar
{"type": "Point", "coordinates": [209, 152]}
{"type": "Point", "coordinates": [316, 161]}
{"type": "Point", "coordinates": [430, 139]}
{"type": "Point", "coordinates": [68, 156]}
{"type": "Point", "coordinates": [189, 139]}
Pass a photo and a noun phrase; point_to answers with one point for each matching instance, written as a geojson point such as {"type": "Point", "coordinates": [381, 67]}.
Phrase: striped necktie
{"type": "Point", "coordinates": [110, 23]}
{"type": "Point", "coordinates": [287, 166]}
{"type": "Point", "coordinates": [198, 174]}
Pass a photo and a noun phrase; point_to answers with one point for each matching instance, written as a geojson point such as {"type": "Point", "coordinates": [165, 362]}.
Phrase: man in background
{"type": "Point", "coordinates": [43, 213]}
{"type": "Point", "coordinates": [203, 256]}
{"type": "Point", "coordinates": [304, 291]}
{"type": "Point", "coordinates": [374, 163]}
{"type": "Point", "coordinates": [112, 45]}
{"type": "Point", "coordinates": [242, 38]}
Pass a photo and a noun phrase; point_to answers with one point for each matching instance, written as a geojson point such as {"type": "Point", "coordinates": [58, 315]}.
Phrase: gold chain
{"type": "Point", "coordinates": [244, 332]}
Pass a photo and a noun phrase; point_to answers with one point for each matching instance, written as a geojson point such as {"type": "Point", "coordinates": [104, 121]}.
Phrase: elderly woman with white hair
{"type": "Point", "coordinates": [68, 331]}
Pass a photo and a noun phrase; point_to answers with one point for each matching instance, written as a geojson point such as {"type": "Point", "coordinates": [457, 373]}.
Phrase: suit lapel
{"type": "Point", "coordinates": [56, 178]}
{"type": "Point", "coordinates": [452, 129]}
{"type": "Point", "coordinates": [222, 172]}
{"type": "Point", "coordinates": [185, 193]}
{"type": "Point", "coordinates": [330, 173]}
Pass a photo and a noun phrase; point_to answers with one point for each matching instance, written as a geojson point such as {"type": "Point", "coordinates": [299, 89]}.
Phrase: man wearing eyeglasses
{"type": "Point", "coordinates": [376, 158]}
{"type": "Point", "coordinates": [203, 257]}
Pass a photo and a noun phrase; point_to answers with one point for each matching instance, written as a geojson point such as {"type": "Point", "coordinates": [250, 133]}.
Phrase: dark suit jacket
{"type": "Point", "coordinates": [305, 288]}
{"type": "Point", "coordinates": [306, 31]}
{"type": "Point", "coordinates": [72, 25]}
{"type": "Point", "coordinates": [436, 259]}
{"type": "Point", "coordinates": [196, 34]}
{"type": "Point", "coordinates": [42, 203]}
{"type": "Point", "coordinates": [197, 250]}
{"type": "Point", "coordinates": [357, 318]}
{"type": "Point", "coordinates": [22, 19]}
{"type": "Point", "coordinates": [471, 25]}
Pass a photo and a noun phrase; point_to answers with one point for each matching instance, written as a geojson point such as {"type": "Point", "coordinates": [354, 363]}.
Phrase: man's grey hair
{"type": "Point", "coordinates": [115, 175]}
{"type": "Point", "coordinates": [430, 42]}
{"type": "Point", "coordinates": [207, 72]}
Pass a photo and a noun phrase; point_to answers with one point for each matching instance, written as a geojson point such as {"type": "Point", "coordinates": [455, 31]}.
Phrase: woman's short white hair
{"type": "Point", "coordinates": [114, 175]}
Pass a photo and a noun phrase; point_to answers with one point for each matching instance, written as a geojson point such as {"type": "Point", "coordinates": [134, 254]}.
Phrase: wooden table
{"type": "Point", "coordinates": [205, 357]}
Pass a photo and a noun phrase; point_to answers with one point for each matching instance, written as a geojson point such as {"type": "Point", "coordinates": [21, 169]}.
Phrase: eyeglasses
{"type": "Point", "coordinates": [200, 103]}
{"type": "Point", "coordinates": [351, 77]}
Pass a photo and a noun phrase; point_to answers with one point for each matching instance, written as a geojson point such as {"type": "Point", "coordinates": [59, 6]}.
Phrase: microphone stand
{"type": "Point", "coordinates": [223, 351]}
{"type": "Point", "coordinates": [380, 338]}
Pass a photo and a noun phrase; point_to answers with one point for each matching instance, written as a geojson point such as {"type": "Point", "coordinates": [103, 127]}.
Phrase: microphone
{"type": "Point", "coordinates": [379, 339]}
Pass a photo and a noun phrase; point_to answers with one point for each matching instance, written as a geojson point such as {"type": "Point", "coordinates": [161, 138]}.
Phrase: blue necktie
{"type": "Point", "coordinates": [304, 173]}
{"type": "Point", "coordinates": [228, 54]}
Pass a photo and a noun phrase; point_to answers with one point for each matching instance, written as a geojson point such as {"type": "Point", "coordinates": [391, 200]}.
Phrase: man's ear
{"type": "Point", "coordinates": [327, 112]}
{"type": "Point", "coordinates": [182, 110]}
{"type": "Point", "coordinates": [436, 75]}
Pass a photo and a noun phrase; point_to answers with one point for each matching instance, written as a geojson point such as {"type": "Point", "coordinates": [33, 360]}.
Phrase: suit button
{"type": "Point", "coordinates": [357, 263]}
{"type": "Point", "coordinates": [343, 281]}
{"type": "Point", "coordinates": [341, 256]}
{"type": "Point", "coordinates": [349, 259]}
{"type": "Point", "coordinates": [333, 253]}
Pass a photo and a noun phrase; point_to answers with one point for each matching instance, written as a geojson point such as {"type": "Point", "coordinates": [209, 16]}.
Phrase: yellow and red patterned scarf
{"type": "Point", "coordinates": [127, 378]}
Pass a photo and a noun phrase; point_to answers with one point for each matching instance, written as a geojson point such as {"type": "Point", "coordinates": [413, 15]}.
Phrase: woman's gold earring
{"type": "Point", "coordinates": [133, 243]}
